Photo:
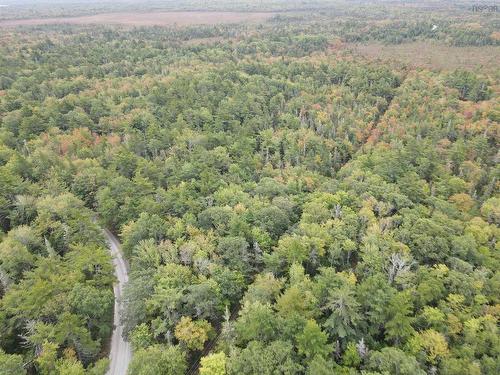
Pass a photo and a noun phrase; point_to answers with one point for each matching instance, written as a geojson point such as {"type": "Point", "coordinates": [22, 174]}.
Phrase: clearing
{"type": "Point", "coordinates": [432, 55]}
{"type": "Point", "coordinates": [148, 19]}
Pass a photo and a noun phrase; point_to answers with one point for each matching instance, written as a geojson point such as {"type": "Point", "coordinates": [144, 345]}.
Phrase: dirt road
{"type": "Point", "coordinates": [120, 352]}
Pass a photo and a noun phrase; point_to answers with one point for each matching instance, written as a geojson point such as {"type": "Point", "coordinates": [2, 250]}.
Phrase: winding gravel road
{"type": "Point", "coordinates": [120, 353]}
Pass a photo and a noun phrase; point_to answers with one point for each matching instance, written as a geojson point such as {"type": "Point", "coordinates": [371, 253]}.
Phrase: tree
{"type": "Point", "coordinates": [204, 299]}
{"type": "Point", "coordinates": [374, 294]}
{"type": "Point", "coordinates": [312, 341]}
{"type": "Point", "coordinates": [394, 361]}
{"type": "Point", "coordinates": [234, 251]}
{"type": "Point", "coordinates": [69, 366]}
{"type": "Point", "coordinates": [193, 334]}
{"type": "Point", "coordinates": [213, 364]}
{"type": "Point", "coordinates": [344, 313]}
{"type": "Point", "coordinates": [96, 305]}
{"type": "Point", "coordinates": [351, 357]}
{"type": "Point", "coordinates": [399, 264]}
{"type": "Point", "coordinates": [257, 358]}
{"type": "Point", "coordinates": [11, 364]}
{"type": "Point", "coordinates": [469, 86]}
{"type": "Point", "coordinates": [464, 202]}
{"type": "Point", "coordinates": [491, 211]}
{"type": "Point", "coordinates": [158, 360]}
{"type": "Point", "coordinates": [264, 289]}
{"type": "Point", "coordinates": [399, 312]}
{"type": "Point", "coordinates": [293, 249]}
{"type": "Point", "coordinates": [147, 226]}
{"type": "Point", "coordinates": [25, 209]}
{"type": "Point", "coordinates": [136, 292]}
{"type": "Point", "coordinates": [256, 322]}
{"type": "Point", "coordinates": [272, 220]}
{"type": "Point", "coordinates": [168, 293]}
{"type": "Point", "coordinates": [15, 259]}
{"type": "Point", "coordinates": [434, 344]}
{"type": "Point", "coordinates": [321, 366]}
{"type": "Point", "coordinates": [231, 283]}
{"type": "Point", "coordinates": [141, 337]}
{"type": "Point", "coordinates": [99, 368]}
{"type": "Point", "coordinates": [457, 366]}
{"type": "Point", "coordinates": [47, 358]}
{"type": "Point", "coordinates": [433, 317]}
{"type": "Point", "coordinates": [297, 300]}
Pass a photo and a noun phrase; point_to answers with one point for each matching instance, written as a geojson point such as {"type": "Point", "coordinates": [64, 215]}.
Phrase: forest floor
{"type": "Point", "coordinates": [148, 19]}
{"type": "Point", "coordinates": [432, 55]}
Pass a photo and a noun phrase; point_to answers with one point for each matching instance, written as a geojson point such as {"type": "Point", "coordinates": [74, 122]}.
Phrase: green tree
{"type": "Point", "coordinates": [394, 361]}
{"type": "Point", "coordinates": [265, 288]}
{"type": "Point", "coordinates": [257, 358]}
{"type": "Point", "coordinates": [344, 313]}
{"type": "Point", "coordinates": [469, 86]}
{"type": "Point", "coordinates": [257, 321]}
{"type": "Point", "coordinates": [213, 364]}
{"type": "Point", "coordinates": [312, 341]}
{"type": "Point", "coordinates": [321, 366]}
{"type": "Point", "coordinates": [141, 337]}
{"type": "Point", "coordinates": [158, 360]}
{"type": "Point", "coordinates": [11, 364]}
{"type": "Point", "coordinates": [399, 325]}
{"type": "Point", "coordinates": [47, 358]}
{"type": "Point", "coordinates": [145, 227]}
{"type": "Point", "coordinates": [351, 357]}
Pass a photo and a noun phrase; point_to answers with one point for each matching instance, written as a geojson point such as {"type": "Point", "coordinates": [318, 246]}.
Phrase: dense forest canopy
{"type": "Point", "coordinates": [286, 205]}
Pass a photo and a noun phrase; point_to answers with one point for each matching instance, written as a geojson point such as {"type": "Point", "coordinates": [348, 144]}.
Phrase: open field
{"type": "Point", "coordinates": [148, 19]}
{"type": "Point", "coordinates": [432, 55]}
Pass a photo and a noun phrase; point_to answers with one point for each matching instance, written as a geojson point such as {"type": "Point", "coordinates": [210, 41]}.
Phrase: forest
{"type": "Point", "coordinates": [285, 204]}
